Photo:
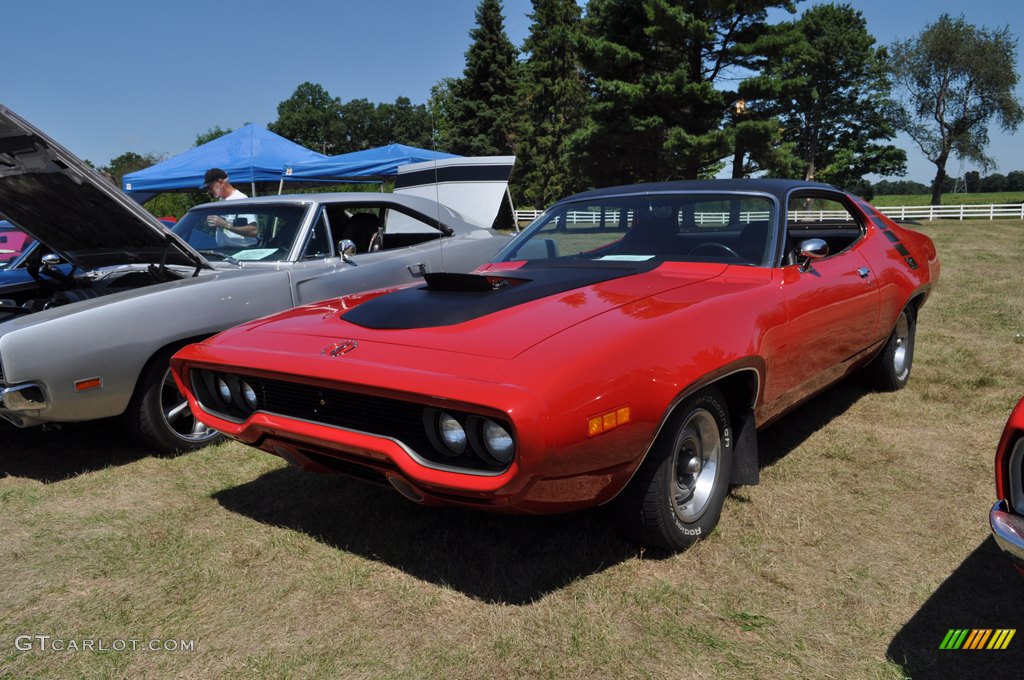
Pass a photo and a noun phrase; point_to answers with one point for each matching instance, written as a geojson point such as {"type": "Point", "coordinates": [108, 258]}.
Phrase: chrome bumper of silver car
{"type": "Point", "coordinates": [27, 397]}
{"type": "Point", "coordinates": [1008, 530]}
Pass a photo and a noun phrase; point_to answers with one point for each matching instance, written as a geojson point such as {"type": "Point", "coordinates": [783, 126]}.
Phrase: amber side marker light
{"type": "Point", "coordinates": [607, 421]}
{"type": "Point", "coordinates": [88, 384]}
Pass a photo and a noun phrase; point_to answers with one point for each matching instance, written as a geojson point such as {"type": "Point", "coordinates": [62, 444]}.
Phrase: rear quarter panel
{"type": "Point", "coordinates": [905, 263]}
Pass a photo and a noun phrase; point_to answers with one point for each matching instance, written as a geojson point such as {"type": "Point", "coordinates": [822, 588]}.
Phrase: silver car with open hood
{"type": "Point", "coordinates": [93, 340]}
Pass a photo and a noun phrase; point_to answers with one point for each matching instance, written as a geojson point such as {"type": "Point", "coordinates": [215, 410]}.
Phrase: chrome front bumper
{"type": "Point", "coordinates": [1008, 530]}
{"type": "Point", "coordinates": [28, 397]}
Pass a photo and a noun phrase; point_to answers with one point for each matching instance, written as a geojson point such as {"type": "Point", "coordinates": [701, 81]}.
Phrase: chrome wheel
{"type": "Point", "coordinates": [901, 336]}
{"type": "Point", "coordinates": [696, 460]}
{"type": "Point", "coordinates": [177, 416]}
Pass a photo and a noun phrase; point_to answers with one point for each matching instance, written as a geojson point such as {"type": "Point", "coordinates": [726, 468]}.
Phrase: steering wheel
{"type": "Point", "coordinates": [714, 244]}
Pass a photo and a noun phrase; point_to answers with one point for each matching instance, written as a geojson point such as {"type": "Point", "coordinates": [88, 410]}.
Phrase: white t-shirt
{"type": "Point", "coordinates": [226, 237]}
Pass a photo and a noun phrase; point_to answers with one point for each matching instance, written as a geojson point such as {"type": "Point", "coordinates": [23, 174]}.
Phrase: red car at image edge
{"type": "Point", "coordinates": [622, 352]}
{"type": "Point", "coordinates": [1007, 516]}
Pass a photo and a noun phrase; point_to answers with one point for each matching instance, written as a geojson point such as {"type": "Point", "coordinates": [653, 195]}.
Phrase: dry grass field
{"type": "Point", "coordinates": [866, 541]}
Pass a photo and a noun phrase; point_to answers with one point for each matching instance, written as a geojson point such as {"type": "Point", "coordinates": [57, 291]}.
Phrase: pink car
{"type": "Point", "coordinates": [12, 242]}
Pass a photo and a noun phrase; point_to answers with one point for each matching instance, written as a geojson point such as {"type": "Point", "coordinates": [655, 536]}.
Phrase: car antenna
{"type": "Point", "coordinates": [437, 190]}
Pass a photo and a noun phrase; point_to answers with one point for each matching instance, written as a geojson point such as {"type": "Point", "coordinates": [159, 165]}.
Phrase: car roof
{"type": "Point", "coordinates": [780, 188]}
{"type": "Point", "coordinates": [417, 204]}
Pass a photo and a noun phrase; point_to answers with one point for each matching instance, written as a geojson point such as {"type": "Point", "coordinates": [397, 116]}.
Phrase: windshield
{"type": "Point", "coordinates": [262, 233]}
{"type": "Point", "coordinates": [728, 228]}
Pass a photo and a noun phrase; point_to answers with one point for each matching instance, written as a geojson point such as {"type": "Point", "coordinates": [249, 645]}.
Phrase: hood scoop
{"type": "Point", "coordinates": [469, 283]}
{"type": "Point", "coordinates": [450, 298]}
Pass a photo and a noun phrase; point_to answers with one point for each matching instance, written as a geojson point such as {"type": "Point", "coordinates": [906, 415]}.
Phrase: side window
{"type": "Point", "coordinates": [824, 217]}
{"type": "Point", "coordinates": [319, 244]}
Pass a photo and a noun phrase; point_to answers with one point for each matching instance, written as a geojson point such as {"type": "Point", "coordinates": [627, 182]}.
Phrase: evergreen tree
{"type": "Point", "coordinates": [654, 67]}
{"type": "Point", "coordinates": [753, 118]}
{"type": "Point", "coordinates": [483, 100]}
{"type": "Point", "coordinates": [837, 117]}
{"type": "Point", "coordinates": [552, 97]}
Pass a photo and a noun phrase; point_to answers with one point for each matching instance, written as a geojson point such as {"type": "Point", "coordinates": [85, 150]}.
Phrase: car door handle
{"type": "Point", "coordinates": [863, 271]}
{"type": "Point", "coordinates": [417, 270]}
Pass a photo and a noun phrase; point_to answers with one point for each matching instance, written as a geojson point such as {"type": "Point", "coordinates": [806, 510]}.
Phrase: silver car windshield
{"type": "Point", "coordinates": [728, 228]}
{"type": "Point", "coordinates": [263, 233]}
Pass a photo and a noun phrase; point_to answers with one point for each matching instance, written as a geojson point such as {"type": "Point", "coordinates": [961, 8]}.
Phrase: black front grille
{"type": "Point", "coordinates": [380, 416]}
{"type": "Point", "coordinates": [377, 415]}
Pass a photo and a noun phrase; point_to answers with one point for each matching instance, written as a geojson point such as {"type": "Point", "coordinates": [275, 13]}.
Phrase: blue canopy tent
{"type": "Point", "coordinates": [249, 155]}
{"type": "Point", "coordinates": [380, 162]}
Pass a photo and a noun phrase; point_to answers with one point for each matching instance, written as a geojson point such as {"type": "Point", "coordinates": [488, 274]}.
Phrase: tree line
{"type": "Point", "coordinates": [626, 91]}
{"type": "Point", "coordinates": [972, 182]}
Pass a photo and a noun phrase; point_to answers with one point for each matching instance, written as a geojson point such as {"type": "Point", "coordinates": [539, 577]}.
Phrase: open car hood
{"type": "Point", "coordinates": [53, 196]}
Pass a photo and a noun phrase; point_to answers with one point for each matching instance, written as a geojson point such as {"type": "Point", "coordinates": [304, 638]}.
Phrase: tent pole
{"type": "Point", "coordinates": [254, 188]}
{"type": "Point", "coordinates": [280, 186]}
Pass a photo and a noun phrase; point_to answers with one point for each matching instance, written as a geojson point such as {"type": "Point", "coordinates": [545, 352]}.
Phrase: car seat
{"type": "Point", "coordinates": [362, 230]}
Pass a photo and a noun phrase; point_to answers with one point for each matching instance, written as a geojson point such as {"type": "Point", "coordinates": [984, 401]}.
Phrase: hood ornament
{"type": "Point", "coordinates": [339, 348]}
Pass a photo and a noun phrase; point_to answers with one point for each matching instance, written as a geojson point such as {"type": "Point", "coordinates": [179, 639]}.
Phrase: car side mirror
{"type": "Point", "coordinates": [50, 260]}
{"type": "Point", "coordinates": [810, 250]}
{"type": "Point", "coordinates": [347, 249]}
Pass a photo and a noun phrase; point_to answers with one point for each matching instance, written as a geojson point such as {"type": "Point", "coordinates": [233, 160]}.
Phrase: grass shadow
{"type": "Point", "coordinates": [55, 454]}
{"type": "Point", "coordinates": [793, 429]}
{"type": "Point", "coordinates": [506, 559]}
{"type": "Point", "coordinates": [985, 591]}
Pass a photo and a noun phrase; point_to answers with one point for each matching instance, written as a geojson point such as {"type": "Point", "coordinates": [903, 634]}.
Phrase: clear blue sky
{"type": "Point", "coordinates": [107, 76]}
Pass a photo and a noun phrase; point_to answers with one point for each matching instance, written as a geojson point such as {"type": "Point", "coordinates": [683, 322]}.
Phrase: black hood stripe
{"type": "Point", "coordinates": [450, 300]}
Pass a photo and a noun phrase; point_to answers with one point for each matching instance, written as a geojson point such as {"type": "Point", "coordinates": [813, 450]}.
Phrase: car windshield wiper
{"type": "Point", "coordinates": [220, 256]}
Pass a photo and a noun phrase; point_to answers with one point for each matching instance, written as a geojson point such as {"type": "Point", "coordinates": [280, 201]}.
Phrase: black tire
{"type": "Point", "coordinates": [676, 497]}
{"type": "Point", "coordinates": [890, 370]}
{"type": "Point", "coordinates": [159, 415]}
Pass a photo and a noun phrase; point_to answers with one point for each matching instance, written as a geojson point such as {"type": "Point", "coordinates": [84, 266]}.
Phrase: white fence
{"type": "Point", "coordinates": [910, 212]}
{"type": "Point", "coordinates": [955, 212]}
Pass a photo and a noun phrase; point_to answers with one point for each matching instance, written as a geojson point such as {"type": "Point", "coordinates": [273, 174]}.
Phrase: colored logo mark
{"type": "Point", "coordinates": [977, 638]}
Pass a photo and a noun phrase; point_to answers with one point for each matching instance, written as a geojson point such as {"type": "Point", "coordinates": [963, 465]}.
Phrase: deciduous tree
{"type": "Point", "coordinates": [952, 81]}
{"type": "Point", "coordinates": [310, 117]}
{"type": "Point", "coordinates": [129, 162]}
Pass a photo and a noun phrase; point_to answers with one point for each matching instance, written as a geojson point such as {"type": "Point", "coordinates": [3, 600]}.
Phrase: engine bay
{"type": "Point", "coordinates": [52, 283]}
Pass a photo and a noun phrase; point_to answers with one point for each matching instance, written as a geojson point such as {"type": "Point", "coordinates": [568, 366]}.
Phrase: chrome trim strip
{"type": "Point", "coordinates": [412, 454]}
{"type": "Point", "coordinates": [1008, 530]}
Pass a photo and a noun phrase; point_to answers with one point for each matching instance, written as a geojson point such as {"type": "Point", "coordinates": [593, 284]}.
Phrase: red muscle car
{"type": "Point", "coordinates": [1007, 516]}
{"type": "Point", "coordinates": [622, 351]}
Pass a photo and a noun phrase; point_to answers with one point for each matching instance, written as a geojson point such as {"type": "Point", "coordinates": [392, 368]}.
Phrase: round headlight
{"type": "Point", "coordinates": [498, 442]}
{"type": "Point", "coordinates": [452, 433]}
{"type": "Point", "coordinates": [249, 394]}
{"type": "Point", "coordinates": [223, 391]}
